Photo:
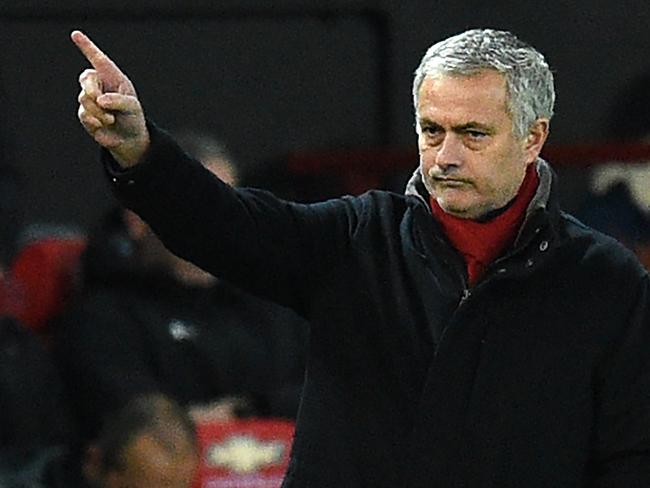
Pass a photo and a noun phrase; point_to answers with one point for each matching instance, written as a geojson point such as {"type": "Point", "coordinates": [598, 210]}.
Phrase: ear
{"type": "Point", "coordinates": [535, 139]}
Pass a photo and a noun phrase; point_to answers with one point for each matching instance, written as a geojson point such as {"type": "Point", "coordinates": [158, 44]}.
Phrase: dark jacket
{"type": "Point", "coordinates": [538, 376]}
{"type": "Point", "coordinates": [136, 329]}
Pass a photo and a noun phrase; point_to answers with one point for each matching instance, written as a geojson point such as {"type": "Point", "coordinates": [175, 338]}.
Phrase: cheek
{"type": "Point", "coordinates": [425, 162]}
{"type": "Point", "coordinates": [427, 151]}
{"type": "Point", "coordinates": [504, 182]}
{"type": "Point", "coordinates": [424, 165]}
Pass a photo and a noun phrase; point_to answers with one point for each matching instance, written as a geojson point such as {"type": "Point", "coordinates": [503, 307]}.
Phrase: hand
{"type": "Point", "coordinates": [109, 108]}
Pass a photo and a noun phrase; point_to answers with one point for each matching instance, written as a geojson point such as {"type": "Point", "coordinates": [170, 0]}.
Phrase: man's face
{"type": "Point", "coordinates": [471, 160]}
{"type": "Point", "coordinates": [149, 465]}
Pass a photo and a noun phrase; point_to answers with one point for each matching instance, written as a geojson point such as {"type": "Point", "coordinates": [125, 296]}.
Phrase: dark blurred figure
{"type": "Point", "coordinates": [617, 213]}
{"type": "Point", "coordinates": [44, 274]}
{"type": "Point", "coordinates": [148, 443]}
{"type": "Point", "coordinates": [150, 321]}
{"type": "Point", "coordinates": [618, 203]}
{"type": "Point", "coordinates": [36, 428]}
{"type": "Point", "coordinates": [38, 260]}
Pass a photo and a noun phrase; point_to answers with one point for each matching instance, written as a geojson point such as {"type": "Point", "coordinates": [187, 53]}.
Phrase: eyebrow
{"type": "Point", "coordinates": [473, 125]}
{"type": "Point", "coordinates": [458, 128]}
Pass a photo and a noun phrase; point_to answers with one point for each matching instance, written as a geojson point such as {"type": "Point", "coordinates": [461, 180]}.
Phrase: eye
{"type": "Point", "coordinates": [430, 129]}
{"type": "Point", "coordinates": [475, 134]}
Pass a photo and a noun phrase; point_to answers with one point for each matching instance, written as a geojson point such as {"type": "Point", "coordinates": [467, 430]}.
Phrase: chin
{"type": "Point", "coordinates": [454, 206]}
{"type": "Point", "coordinates": [461, 214]}
{"type": "Point", "coordinates": [455, 210]}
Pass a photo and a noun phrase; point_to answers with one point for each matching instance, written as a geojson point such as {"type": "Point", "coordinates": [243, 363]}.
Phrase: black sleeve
{"type": "Point", "coordinates": [273, 248]}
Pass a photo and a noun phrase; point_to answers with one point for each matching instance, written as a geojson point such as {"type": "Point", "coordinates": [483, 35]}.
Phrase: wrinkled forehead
{"type": "Point", "coordinates": [484, 92]}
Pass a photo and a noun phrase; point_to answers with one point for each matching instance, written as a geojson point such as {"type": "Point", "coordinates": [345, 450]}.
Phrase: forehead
{"type": "Point", "coordinates": [479, 96]}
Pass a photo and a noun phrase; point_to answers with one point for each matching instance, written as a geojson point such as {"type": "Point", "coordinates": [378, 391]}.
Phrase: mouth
{"type": "Point", "coordinates": [450, 182]}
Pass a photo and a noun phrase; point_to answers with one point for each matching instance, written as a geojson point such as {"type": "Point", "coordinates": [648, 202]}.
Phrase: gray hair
{"type": "Point", "coordinates": [529, 81]}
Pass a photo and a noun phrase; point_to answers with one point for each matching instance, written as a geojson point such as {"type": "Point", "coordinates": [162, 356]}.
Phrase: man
{"type": "Point", "coordinates": [150, 442]}
{"type": "Point", "coordinates": [468, 333]}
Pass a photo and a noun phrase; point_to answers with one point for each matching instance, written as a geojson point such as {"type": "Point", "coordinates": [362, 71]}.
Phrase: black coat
{"type": "Point", "coordinates": [538, 376]}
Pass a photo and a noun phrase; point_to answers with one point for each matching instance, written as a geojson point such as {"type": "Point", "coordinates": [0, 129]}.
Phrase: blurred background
{"type": "Point", "coordinates": [308, 98]}
{"type": "Point", "coordinates": [306, 94]}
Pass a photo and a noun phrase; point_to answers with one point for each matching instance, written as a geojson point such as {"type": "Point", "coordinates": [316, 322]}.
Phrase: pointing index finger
{"type": "Point", "coordinates": [100, 61]}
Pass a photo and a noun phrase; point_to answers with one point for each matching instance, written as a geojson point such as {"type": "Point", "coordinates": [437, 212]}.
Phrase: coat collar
{"type": "Point", "coordinates": [542, 212]}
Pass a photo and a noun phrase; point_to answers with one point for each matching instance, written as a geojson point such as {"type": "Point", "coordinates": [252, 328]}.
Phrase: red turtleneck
{"type": "Point", "coordinates": [480, 243]}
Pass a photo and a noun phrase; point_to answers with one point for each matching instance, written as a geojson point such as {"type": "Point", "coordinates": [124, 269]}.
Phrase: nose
{"type": "Point", "coordinates": [450, 153]}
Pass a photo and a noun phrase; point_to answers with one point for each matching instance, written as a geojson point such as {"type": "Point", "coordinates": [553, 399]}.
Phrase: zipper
{"type": "Point", "coordinates": [463, 298]}
{"type": "Point", "coordinates": [467, 292]}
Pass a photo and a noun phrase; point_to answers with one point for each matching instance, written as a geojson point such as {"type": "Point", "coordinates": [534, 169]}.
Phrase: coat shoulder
{"type": "Point", "coordinates": [598, 250]}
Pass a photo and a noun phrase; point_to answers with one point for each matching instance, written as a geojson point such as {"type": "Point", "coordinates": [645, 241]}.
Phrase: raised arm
{"type": "Point", "coordinates": [268, 246]}
{"type": "Point", "coordinates": [109, 108]}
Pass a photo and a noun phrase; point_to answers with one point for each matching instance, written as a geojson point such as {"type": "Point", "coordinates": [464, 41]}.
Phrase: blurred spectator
{"type": "Point", "coordinates": [614, 211]}
{"type": "Point", "coordinates": [150, 321]}
{"type": "Point", "coordinates": [36, 426]}
{"type": "Point", "coordinates": [38, 262]}
{"type": "Point", "coordinates": [148, 443]}
{"type": "Point", "coordinates": [618, 203]}
{"type": "Point", "coordinates": [44, 274]}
